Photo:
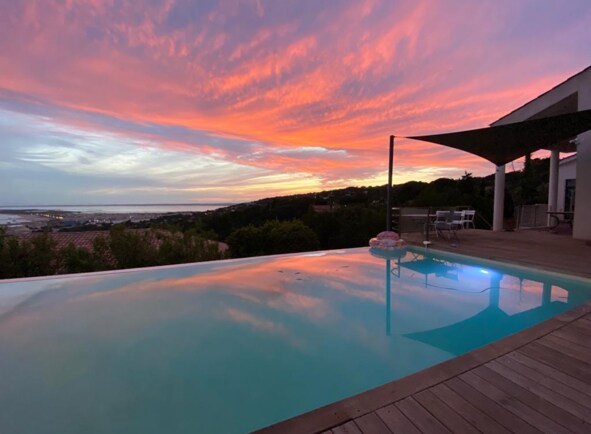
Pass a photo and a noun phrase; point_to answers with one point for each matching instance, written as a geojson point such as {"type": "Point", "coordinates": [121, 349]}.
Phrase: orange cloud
{"type": "Point", "coordinates": [329, 78]}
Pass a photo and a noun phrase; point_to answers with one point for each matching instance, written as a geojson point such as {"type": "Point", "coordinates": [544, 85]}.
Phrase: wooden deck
{"type": "Point", "coordinates": [536, 381]}
{"type": "Point", "coordinates": [542, 387]}
{"type": "Point", "coordinates": [531, 248]}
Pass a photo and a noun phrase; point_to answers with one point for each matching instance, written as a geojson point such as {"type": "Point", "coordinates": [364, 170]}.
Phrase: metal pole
{"type": "Point", "coordinates": [389, 189]}
{"type": "Point", "coordinates": [427, 224]}
{"type": "Point", "coordinates": [388, 301]}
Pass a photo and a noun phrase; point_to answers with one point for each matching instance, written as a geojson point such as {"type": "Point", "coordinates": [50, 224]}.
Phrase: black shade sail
{"type": "Point", "coordinates": [489, 325]}
{"type": "Point", "coordinates": [504, 143]}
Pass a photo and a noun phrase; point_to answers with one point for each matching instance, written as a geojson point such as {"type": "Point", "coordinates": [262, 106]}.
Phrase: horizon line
{"type": "Point", "coordinates": [127, 204]}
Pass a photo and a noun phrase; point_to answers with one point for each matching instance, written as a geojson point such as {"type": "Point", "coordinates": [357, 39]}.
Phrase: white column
{"type": "Point", "coordinates": [553, 183]}
{"type": "Point", "coordinates": [581, 226]}
{"type": "Point", "coordinates": [499, 204]}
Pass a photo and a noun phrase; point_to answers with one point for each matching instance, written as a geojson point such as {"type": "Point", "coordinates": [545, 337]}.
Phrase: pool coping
{"type": "Point", "coordinates": [340, 412]}
{"type": "Point", "coordinates": [171, 266]}
{"type": "Point", "coordinates": [417, 248]}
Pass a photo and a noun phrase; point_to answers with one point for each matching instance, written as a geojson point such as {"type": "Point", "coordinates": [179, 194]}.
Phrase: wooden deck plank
{"type": "Point", "coordinates": [556, 359]}
{"type": "Point", "coordinates": [513, 404]}
{"type": "Point", "coordinates": [490, 407]}
{"type": "Point", "coordinates": [580, 329]}
{"type": "Point", "coordinates": [548, 394]}
{"type": "Point", "coordinates": [347, 428]}
{"type": "Point", "coordinates": [452, 420]}
{"type": "Point", "coordinates": [557, 414]}
{"type": "Point", "coordinates": [424, 420]}
{"type": "Point", "coordinates": [548, 381]}
{"type": "Point", "coordinates": [396, 421]}
{"type": "Point", "coordinates": [549, 372]}
{"type": "Point", "coordinates": [573, 338]}
{"type": "Point", "coordinates": [474, 416]}
{"type": "Point", "coordinates": [580, 353]}
{"type": "Point", "coordinates": [372, 424]}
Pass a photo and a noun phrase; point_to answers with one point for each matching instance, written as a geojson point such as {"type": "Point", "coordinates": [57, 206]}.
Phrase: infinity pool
{"type": "Point", "coordinates": [232, 346]}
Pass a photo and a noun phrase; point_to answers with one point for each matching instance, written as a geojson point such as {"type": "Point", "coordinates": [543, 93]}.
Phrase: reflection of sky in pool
{"type": "Point", "coordinates": [233, 346]}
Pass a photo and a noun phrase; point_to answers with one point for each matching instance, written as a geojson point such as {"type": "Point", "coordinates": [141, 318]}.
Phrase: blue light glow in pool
{"type": "Point", "coordinates": [233, 346]}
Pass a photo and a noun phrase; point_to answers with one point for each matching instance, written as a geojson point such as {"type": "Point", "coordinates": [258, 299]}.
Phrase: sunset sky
{"type": "Point", "coordinates": [114, 101]}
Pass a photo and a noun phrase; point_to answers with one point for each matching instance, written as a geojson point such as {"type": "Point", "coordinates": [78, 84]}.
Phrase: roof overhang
{"type": "Point", "coordinates": [501, 144]}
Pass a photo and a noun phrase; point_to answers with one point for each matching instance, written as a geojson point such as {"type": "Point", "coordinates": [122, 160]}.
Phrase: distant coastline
{"type": "Point", "coordinates": [26, 218]}
{"type": "Point", "coordinates": [119, 208]}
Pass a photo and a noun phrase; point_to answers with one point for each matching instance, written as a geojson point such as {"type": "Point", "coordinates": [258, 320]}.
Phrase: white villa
{"type": "Point", "coordinates": [573, 172]}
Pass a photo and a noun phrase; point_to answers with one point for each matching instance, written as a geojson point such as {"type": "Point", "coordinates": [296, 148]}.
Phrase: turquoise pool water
{"type": "Point", "coordinates": [232, 346]}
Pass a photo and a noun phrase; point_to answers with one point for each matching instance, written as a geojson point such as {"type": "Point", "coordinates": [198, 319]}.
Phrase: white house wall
{"type": "Point", "coordinates": [582, 223]}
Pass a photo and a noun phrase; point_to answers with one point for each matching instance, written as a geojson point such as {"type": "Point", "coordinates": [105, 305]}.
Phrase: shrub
{"type": "Point", "coordinates": [271, 238]}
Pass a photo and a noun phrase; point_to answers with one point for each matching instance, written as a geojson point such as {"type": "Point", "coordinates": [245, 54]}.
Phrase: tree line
{"type": "Point", "coordinates": [118, 248]}
{"type": "Point", "coordinates": [267, 226]}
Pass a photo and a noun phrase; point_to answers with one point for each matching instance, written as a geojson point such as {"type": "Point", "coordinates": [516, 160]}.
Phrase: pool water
{"type": "Point", "coordinates": [232, 346]}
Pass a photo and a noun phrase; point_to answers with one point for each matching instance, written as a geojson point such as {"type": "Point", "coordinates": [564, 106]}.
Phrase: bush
{"type": "Point", "coordinates": [271, 238]}
{"type": "Point", "coordinates": [132, 249]}
{"type": "Point", "coordinates": [346, 227]}
{"type": "Point", "coordinates": [120, 248]}
{"type": "Point", "coordinates": [177, 248]}
{"type": "Point", "coordinates": [36, 257]}
{"type": "Point", "coordinates": [76, 259]}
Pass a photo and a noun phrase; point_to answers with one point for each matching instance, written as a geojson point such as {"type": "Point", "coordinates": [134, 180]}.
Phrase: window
{"type": "Point", "coordinates": [569, 195]}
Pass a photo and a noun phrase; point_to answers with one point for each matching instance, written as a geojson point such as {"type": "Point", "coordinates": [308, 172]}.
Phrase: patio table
{"type": "Point", "coordinates": [427, 219]}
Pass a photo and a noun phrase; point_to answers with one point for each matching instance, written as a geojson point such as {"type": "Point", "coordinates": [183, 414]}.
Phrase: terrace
{"type": "Point", "coordinates": [550, 251]}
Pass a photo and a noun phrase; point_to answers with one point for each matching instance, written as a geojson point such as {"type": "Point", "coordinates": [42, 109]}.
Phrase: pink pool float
{"type": "Point", "coordinates": [387, 240]}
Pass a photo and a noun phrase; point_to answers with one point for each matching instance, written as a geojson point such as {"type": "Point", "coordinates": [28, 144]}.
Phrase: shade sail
{"type": "Point", "coordinates": [501, 144]}
{"type": "Point", "coordinates": [489, 325]}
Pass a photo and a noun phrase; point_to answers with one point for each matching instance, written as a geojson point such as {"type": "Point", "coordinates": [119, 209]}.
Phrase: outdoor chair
{"type": "Point", "coordinates": [440, 221]}
{"type": "Point", "coordinates": [467, 219]}
{"type": "Point", "coordinates": [447, 221]}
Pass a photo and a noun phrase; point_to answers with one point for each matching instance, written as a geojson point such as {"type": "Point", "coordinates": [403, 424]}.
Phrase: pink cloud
{"type": "Point", "coordinates": [337, 78]}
